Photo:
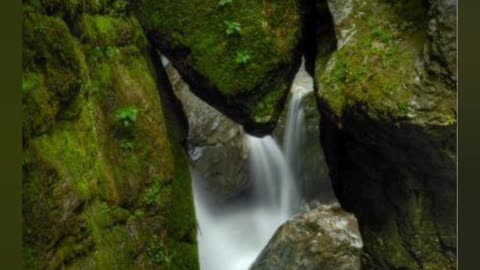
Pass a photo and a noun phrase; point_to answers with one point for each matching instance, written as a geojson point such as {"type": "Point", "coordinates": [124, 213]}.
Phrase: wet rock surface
{"type": "Point", "coordinates": [217, 146]}
{"type": "Point", "coordinates": [325, 237]}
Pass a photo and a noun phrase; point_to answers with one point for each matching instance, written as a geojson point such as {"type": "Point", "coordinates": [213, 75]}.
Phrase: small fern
{"type": "Point", "coordinates": [243, 58]}
{"type": "Point", "coordinates": [233, 28]}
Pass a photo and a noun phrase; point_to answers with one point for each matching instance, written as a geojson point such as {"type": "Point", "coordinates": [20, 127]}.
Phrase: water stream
{"type": "Point", "coordinates": [231, 237]}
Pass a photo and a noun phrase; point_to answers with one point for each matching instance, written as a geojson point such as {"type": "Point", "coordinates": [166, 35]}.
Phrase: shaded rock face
{"type": "Point", "coordinates": [324, 238]}
{"type": "Point", "coordinates": [105, 182]}
{"type": "Point", "coordinates": [387, 97]}
{"type": "Point", "coordinates": [239, 56]}
{"type": "Point", "coordinates": [217, 146]}
{"type": "Point", "coordinates": [307, 158]}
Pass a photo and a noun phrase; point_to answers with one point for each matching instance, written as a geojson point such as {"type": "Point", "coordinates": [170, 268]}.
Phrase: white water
{"type": "Point", "coordinates": [295, 126]}
{"type": "Point", "coordinates": [232, 237]}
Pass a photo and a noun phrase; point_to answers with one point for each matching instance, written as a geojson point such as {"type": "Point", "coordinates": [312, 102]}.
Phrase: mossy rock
{"type": "Point", "coordinates": [245, 74]}
{"type": "Point", "coordinates": [388, 131]}
{"type": "Point", "coordinates": [107, 31]}
{"type": "Point", "coordinates": [94, 196]}
{"type": "Point", "coordinates": [54, 72]}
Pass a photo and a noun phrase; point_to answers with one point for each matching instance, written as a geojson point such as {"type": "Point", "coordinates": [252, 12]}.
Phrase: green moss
{"type": "Point", "coordinates": [271, 39]}
{"type": "Point", "coordinates": [374, 69]}
{"type": "Point", "coordinates": [74, 151]}
{"type": "Point", "coordinates": [106, 32]}
{"type": "Point", "coordinates": [93, 199]}
{"type": "Point", "coordinates": [54, 72]}
{"type": "Point", "coordinates": [262, 111]}
{"type": "Point", "coordinates": [39, 106]}
{"type": "Point", "coordinates": [235, 47]}
{"type": "Point", "coordinates": [159, 253]}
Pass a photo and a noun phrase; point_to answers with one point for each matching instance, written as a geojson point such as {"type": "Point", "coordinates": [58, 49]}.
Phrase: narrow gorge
{"type": "Point", "coordinates": [239, 135]}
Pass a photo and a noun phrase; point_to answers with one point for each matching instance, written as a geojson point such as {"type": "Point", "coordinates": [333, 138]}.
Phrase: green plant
{"type": "Point", "coordinates": [243, 58]}
{"type": "Point", "coordinates": [223, 3]}
{"type": "Point", "coordinates": [451, 119]}
{"type": "Point", "coordinates": [127, 116]}
{"type": "Point", "coordinates": [233, 28]}
{"type": "Point", "coordinates": [127, 146]}
{"type": "Point", "coordinates": [159, 253]}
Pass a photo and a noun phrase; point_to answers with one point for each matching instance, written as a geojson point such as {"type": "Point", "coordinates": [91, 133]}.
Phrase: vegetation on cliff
{"type": "Point", "coordinates": [105, 183]}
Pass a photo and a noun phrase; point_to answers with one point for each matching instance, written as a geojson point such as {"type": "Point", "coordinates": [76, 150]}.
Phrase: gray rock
{"type": "Point", "coordinates": [325, 238]}
{"type": "Point", "coordinates": [442, 31]}
{"type": "Point", "coordinates": [217, 146]}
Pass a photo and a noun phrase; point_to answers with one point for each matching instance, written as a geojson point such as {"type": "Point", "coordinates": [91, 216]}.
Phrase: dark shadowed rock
{"type": "Point", "coordinates": [325, 238]}
{"type": "Point", "coordinates": [388, 103]}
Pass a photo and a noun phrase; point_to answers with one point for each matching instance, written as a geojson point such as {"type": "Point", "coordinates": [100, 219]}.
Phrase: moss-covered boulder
{"type": "Point", "coordinates": [106, 183]}
{"type": "Point", "coordinates": [239, 56]}
{"type": "Point", "coordinates": [388, 101]}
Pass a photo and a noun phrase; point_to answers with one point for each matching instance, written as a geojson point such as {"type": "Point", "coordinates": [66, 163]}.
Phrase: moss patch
{"type": "Point", "coordinates": [54, 72]}
{"type": "Point", "coordinates": [376, 67]}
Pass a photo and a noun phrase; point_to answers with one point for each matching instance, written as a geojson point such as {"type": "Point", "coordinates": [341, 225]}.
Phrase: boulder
{"type": "Point", "coordinates": [239, 56]}
{"type": "Point", "coordinates": [324, 238]}
{"type": "Point", "coordinates": [217, 146]}
{"type": "Point", "coordinates": [388, 103]}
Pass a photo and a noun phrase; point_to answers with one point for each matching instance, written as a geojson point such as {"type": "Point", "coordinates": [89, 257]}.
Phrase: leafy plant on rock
{"type": "Point", "coordinates": [233, 28]}
{"type": "Point", "coordinates": [127, 116]}
{"type": "Point", "coordinates": [243, 58]}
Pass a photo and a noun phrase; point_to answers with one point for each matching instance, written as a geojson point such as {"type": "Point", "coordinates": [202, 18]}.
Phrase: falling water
{"type": "Point", "coordinates": [274, 184]}
{"type": "Point", "coordinates": [295, 131]}
{"type": "Point", "coordinates": [230, 237]}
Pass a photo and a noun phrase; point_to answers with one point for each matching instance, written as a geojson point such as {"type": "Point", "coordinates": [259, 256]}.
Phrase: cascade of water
{"type": "Point", "coordinates": [272, 177]}
{"type": "Point", "coordinates": [295, 127]}
{"type": "Point", "coordinates": [233, 236]}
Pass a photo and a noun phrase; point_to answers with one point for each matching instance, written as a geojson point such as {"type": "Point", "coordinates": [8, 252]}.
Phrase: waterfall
{"type": "Point", "coordinates": [273, 179]}
{"type": "Point", "coordinates": [295, 127]}
{"type": "Point", "coordinates": [230, 237]}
